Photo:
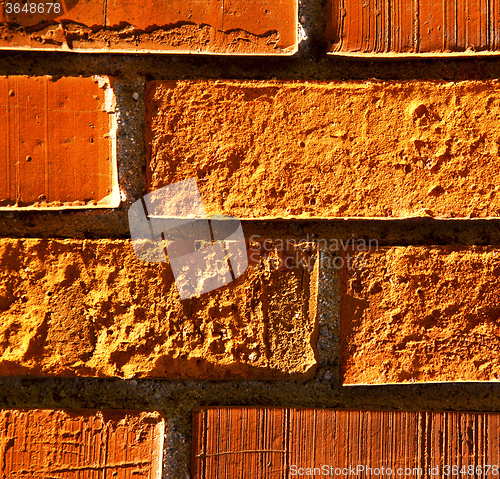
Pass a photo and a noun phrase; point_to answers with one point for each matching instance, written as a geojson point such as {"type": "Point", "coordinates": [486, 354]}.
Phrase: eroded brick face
{"type": "Point", "coordinates": [417, 314]}
{"type": "Point", "coordinates": [216, 26]}
{"type": "Point", "coordinates": [315, 150]}
{"type": "Point", "coordinates": [90, 308]}
{"type": "Point", "coordinates": [80, 444]}
{"type": "Point", "coordinates": [413, 26]}
{"type": "Point", "coordinates": [56, 143]}
{"type": "Point", "coordinates": [276, 442]}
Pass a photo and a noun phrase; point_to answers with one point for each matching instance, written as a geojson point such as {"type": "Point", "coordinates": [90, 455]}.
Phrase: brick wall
{"type": "Point", "coordinates": [358, 145]}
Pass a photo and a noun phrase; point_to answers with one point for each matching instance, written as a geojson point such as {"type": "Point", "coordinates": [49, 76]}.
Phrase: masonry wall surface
{"type": "Point", "coordinates": [420, 178]}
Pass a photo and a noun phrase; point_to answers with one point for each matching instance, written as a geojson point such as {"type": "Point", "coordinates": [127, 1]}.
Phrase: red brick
{"type": "Point", "coordinates": [57, 144]}
{"type": "Point", "coordinates": [413, 26]}
{"type": "Point", "coordinates": [419, 314]}
{"type": "Point", "coordinates": [340, 149]}
{"type": "Point", "coordinates": [91, 308]}
{"type": "Point", "coordinates": [88, 12]}
{"type": "Point", "coordinates": [272, 443]}
{"type": "Point", "coordinates": [235, 26]}
{"type": "Point", "coordinates": [80, 444]}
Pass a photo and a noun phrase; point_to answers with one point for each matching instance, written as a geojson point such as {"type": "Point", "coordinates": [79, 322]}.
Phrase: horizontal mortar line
{"type": "Point", "coordinates": [216, 58]}
{"type": "Point", "coordinates": [492, 404]}
{"type": "Point", "coordinates": [322, 75]}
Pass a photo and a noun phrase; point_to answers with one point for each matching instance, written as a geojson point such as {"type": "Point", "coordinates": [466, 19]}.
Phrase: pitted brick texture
{"type": "Point", "coordinates": [90, 308]}
{"type": "Point", "coordinates": [417, 314]}
{"type": "Point", "coordinates": [214, 26]}
{"type": "Point", "coordinates": [57, 142]}
{"type": "Point", "coordinates": [80, 444]}
{"type": "Point", "coordinates": [342, 149]}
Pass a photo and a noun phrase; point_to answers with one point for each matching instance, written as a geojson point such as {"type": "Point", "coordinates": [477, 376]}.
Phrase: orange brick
{"type": "Point", "coordinates": [413, 26]}
{"type": "Point", "coordinates": [73, 308]}
{"type": "Point", "coordinates": [87, 12]}
{"type": "Point", "coordinates": [57, 144]}
{"type": "Point", "coordinates": [416, 314]}
{"type": "Point", "coordinates": [216, 26]}
{"type": "Point", "coordinates": [272, 443]}
{"type": "Point", "coordinates": [80, 444]}
{"type": "Point", "coordinates": [341, 149]}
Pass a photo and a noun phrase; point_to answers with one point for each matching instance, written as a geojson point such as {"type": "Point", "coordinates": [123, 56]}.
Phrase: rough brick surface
{"type": "Point", "coordinates": [56, 144]}
{"type": "Point", "coordinates": [272, 443]}
{"type": "Point", "coordinates": [278, 149]}
{"type": "Point", "coordinates": [80, 444]}
{"type": "Point", "coordinates": [413, 26]}
{"type": "Point", "coordinates": [412, 314]}
{"type": "Point", "coordinates": [90, 308]}
{"type": "Point", "coordinates": [217, 26]}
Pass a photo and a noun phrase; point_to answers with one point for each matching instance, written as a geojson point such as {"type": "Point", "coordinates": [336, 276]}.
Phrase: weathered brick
{"type": "Point", "coordinates": [80, 444]}
{"type": "Point", "coordinates": [216, 26]}
{"type": "Point", "coordinates": [57, 143]}
{"type": "Point", "coordinates": [371, 149]}
{"type": "Point", "coordinates": [90, 308]}
{"type": "Point", "coordinates": [413, 26]}
{"type": "Point", "coordinates": [414, 314]}
{"type": "Point", "coordinates": [271, 443]}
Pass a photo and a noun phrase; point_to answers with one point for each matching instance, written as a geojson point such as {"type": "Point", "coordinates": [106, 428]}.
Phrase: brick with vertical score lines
{"type": "Point", "coordinates": [57, 144]}
{"type": "Point", "coordinates": [80, 444]}
{"type": "Point", "coordinates": [413, 26]}
{"type": "Point", "coordinates": [272, 443]}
